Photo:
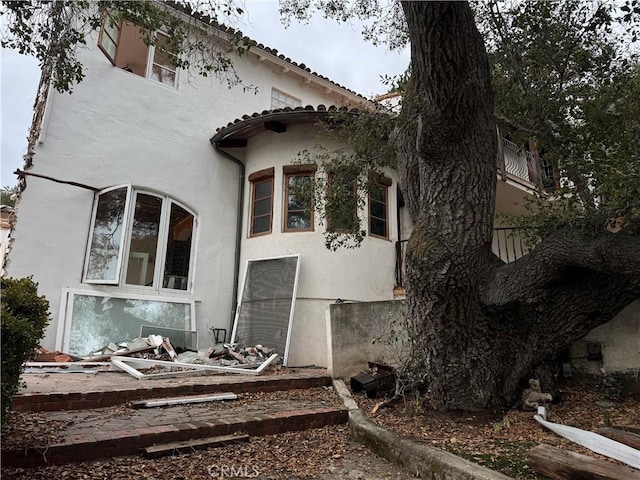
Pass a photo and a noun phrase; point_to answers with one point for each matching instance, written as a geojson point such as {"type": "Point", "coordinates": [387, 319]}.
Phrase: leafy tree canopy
{"type": "Point", "coordinates": [53, 32]}
{"type": "Point", "coordinates": [8, 195]}
{"type": "Point", "coordinates": [568, 74]}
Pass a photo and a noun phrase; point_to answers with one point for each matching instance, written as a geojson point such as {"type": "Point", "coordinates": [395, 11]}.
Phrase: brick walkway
{"type": "Point", "coordinates": [70, 391]}
{"type": "Point", "coordinates": [95, 433]}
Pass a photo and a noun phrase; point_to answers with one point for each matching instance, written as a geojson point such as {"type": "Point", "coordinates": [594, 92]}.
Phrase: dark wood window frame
{"type": "Point", "coordinates": [287, 176]}
{"type": "Point", "coordinates": [383, 186]}
{"type": "Point", "coordinates": [257, 179]}
{"type": "Point", "coordinates": [355, 210]}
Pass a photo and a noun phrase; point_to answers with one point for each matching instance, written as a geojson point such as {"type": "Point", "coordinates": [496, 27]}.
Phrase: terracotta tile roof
{"type": "Point", "coordinates": [245, 40]}
{"type": "Point", "coordinates": [250, 125]}
{"type": "Point", "coordinates": [302, 66]}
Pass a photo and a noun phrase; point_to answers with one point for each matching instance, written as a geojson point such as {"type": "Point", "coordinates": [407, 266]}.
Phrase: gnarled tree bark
{"type": "Point", "coordinates": [482, 327]}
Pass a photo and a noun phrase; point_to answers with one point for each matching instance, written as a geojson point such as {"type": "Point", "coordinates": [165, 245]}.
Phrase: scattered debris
{"type": "Point", "coordinates": [628, 438]}
{"type": "Point", "coordinates": [44, 355]}
{"type": "Point", "coordinates": [132, 366]}
{"type": "Point", "coordinates": [593, 441]}
{"type": "Point", "coordinates": [379, 380]}
{"type": "Point", "coordinates": [161, 356]}
{"type": "Point", "coordinates": [177, 448]}
{"type": "Point", "coordinates": [560, 464]}
{"type": "Point", "coordinates": [163, 402]}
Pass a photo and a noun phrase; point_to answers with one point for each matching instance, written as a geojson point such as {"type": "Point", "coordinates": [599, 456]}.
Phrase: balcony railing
{"type": "Point", "coordinates": [518, 162]}
{"type": "Point", "coordinates": [508, 244]}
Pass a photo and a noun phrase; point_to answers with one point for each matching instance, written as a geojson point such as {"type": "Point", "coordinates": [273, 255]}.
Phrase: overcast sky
{"type": "Point", "coordinates": [334, 50]}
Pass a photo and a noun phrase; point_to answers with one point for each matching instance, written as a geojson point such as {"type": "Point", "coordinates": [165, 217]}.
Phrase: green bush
{"type": "Point", "coordinates": [24, 318]}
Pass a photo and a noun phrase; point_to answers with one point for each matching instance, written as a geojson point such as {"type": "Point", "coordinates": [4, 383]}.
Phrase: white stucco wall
{"type": "Point", "coordinates": [360, 275]}
{"type": "Point", "coordinates": [619, 340]}
{"type": "Point", "coordinates": [119, 128]}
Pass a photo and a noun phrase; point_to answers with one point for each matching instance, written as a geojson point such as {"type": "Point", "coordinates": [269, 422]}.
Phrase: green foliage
{"type": "Point", "coordinates": [53, 32]}
{"type": "Point", "coordinates": [350, 160]}
{"type": "Point", "coordinates": [5, 195]}
{"type": "Point", "coordinates": [382, 22]}
{"type": "Point", "coordinates": [568, 74]}
{"type": "Point", "coordinates": [24, 318]}
{"type": "Point", "coordinates": [402, 351]}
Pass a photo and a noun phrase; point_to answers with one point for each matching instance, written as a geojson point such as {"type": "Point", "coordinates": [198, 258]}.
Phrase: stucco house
{"type": "Point", "coordinates": [152, 190]}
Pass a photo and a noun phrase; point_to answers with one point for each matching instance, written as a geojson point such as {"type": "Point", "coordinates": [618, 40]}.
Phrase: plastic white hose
{"type": "Point", "coordinates": [593, 441]}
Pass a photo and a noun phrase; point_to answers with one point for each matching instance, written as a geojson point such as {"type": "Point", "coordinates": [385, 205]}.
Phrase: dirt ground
{"type": "Point", "coordinates": [497, 441]}
{"type": "Point", "coordinates": [501, 441]}
{"type": "Point", "coordinates": [322, 454]}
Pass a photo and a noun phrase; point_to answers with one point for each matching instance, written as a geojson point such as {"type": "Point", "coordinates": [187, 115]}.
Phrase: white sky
{"type": "Point", "coordinates": [334, 50]}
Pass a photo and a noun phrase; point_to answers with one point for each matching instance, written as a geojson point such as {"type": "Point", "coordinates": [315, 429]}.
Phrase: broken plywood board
{"type": "Point", "coordinates": [188, 446]}
{"type": "Point", "coordinates": [163, 402]}
{"type": "Point", "coordinates": [561, 464]}
{"type": "Point", "coordinates": [132, 366]}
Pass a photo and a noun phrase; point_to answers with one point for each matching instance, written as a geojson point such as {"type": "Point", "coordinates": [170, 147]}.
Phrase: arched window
{"type": "Point", "coordinates": [139, 238]}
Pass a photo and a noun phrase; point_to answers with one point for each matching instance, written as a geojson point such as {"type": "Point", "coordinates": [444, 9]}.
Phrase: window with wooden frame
{"type": "Point", "coordinates": [261, 202]}
{"type": "Point", "coordinates": [342, 201]}
{"type": "Point", "coordinates": [124, 45]}
{"type": "Point", "coordinates": [298, 198]}
{"type": "Point", "coordinates": [378, 208]}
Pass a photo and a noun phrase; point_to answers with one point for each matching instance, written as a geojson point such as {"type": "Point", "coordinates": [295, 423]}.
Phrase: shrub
{"type": "Point", "coordinates": [24, 318]}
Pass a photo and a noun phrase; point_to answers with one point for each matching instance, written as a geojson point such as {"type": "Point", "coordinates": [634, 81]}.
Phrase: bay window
{"type": "Point", "coordinates": [341, 200]}
{"type": "Point", "coordinates": [141, 239]}
{"type": "Point", "coordinates": [298, 197]}
{"type": "Point", "coordinates": [261, 201]}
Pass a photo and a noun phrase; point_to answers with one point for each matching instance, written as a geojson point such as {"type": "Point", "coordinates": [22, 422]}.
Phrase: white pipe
{"type": "Point", "coordinates": [593, 441]}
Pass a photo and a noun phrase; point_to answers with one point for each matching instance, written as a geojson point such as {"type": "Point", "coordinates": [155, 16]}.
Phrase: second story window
{"type": "Point", "coordinates": [261, 201]}
{"type": "Point", "coordinates": [123, 44]}
{"type": "Point", "coordinates": [281, 100]}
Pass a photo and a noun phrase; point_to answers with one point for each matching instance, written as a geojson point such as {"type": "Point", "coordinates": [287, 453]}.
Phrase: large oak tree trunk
{"type": "Point", "coordinates": [483, 326]}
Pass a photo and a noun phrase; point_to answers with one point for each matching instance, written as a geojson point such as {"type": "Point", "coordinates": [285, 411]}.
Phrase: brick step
{"type": "Point", "coordinates": [116, 443]}
{"type": "Point", "coordinates": [188, 446]}
{"type": "Point", "coordinates": [46, 402]}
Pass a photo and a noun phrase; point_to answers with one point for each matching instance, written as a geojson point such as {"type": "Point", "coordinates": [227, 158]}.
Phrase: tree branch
{"type": "Point", "coordinates": [563, 257]}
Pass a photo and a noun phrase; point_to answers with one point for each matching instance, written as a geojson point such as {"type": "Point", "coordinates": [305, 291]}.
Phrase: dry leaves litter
{"type": "Point", "coordinates": [501, 441]}
{"type": "Point", "coordinates": [497, 441]}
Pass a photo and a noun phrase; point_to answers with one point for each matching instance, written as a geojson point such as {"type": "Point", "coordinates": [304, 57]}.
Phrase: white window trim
{"type": "Point", "coordinates": [150, 56]}
{"type": "Point", "coordinates": [150, 64]}
{"type": "Point", "coordinates": [125, 225]}
{"type": "Point", "coordinates": [63, 334]}
{"type": "Point", "coordinates": [125, 247]}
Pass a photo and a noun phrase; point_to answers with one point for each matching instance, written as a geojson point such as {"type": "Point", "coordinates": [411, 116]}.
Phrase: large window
{"type": "Point", "coordinates": [124, 45]}
{"type": "Point", "coordinates": [378, 201]}
{"type": "Point", "coordinates": [140, 239]}
{"type": "Point", "coordinates": [298, 204]}
{"type": "Point", "coordinates": [261, 201]}
{"type": "Point", "coordinates": [95, 319]}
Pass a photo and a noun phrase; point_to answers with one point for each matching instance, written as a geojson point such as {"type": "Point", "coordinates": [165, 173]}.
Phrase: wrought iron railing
{"type": "Point", "coordinates": [508, 244]}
